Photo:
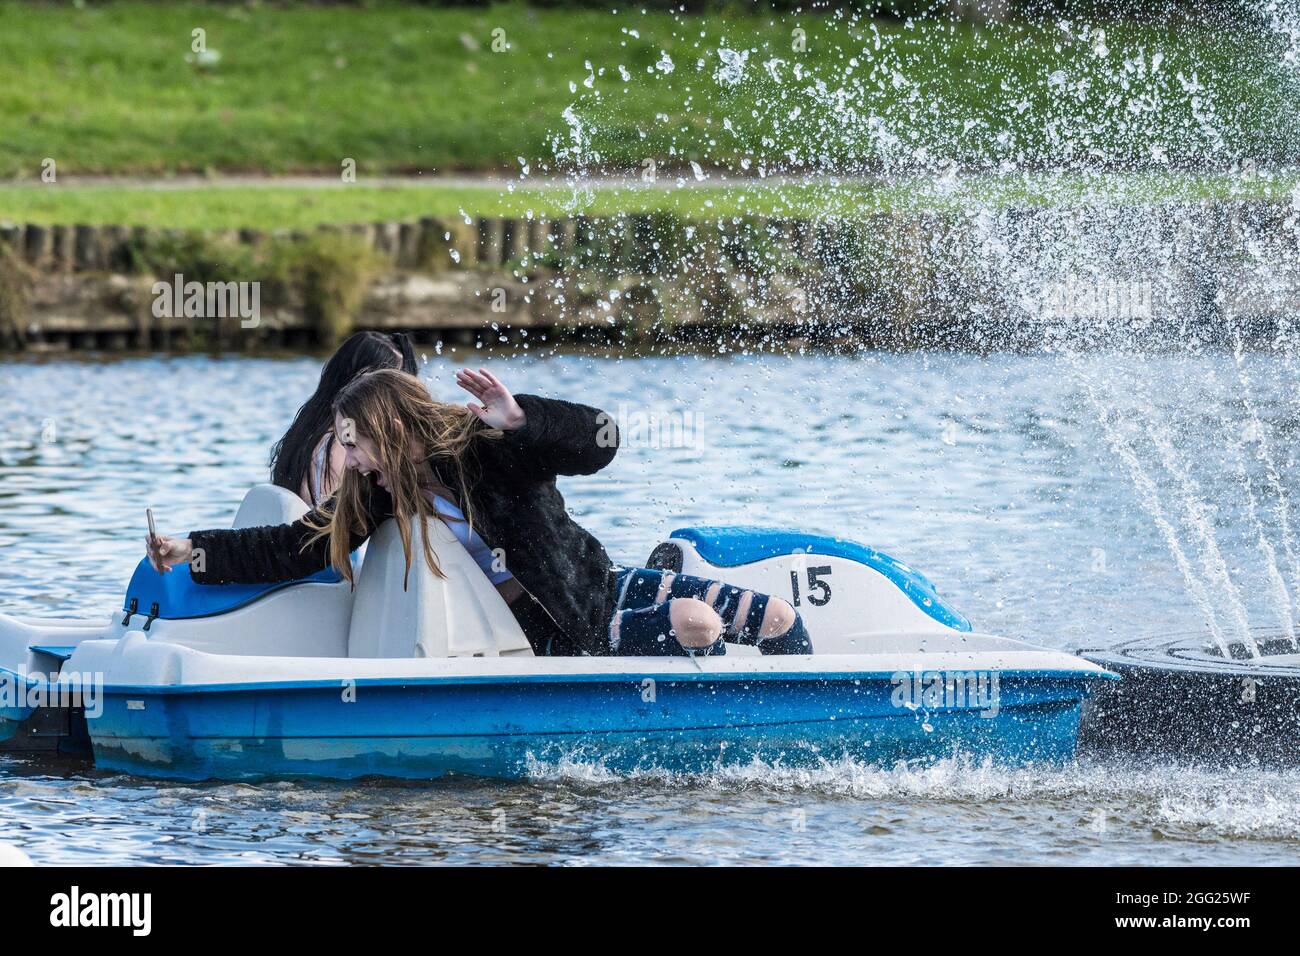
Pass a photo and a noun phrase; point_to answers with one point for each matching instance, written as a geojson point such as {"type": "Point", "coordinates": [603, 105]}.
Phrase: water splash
{"type": "Point", "coordinates": [1183, 802]}
{"type": "Point", "coordinates": [1024, 173]}
{"type": "Point", "coordinates": [1149, 496]}
{"type": "Point", "coordinates": [1258, 435]}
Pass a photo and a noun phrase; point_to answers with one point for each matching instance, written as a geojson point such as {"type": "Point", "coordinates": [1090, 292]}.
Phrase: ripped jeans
{"type": "Point", "coordinates": [642, 623]}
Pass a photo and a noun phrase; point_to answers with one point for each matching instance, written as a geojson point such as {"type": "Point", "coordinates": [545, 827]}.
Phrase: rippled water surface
{"type": "Point", "coordinates": [1030, 489]}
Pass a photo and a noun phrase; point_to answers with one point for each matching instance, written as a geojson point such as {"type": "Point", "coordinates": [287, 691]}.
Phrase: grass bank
{"type": "Point", "coordinates": [117, 88]}
{"type": "Point", "coordinates": [271, 206]}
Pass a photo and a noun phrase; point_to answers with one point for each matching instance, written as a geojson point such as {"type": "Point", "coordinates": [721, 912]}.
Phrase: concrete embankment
{"type": "Point", "coordinates": [996, 278]}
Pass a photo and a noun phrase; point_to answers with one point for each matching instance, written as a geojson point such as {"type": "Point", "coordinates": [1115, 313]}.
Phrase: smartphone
{"type": "Point", "coordinates": [153, 531]}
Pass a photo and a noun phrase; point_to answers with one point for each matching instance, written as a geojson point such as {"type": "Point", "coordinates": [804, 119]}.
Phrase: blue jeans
{"type": "Point", "coordinates": [641, 627]}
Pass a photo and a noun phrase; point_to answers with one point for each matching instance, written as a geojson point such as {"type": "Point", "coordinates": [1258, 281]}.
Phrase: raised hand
{"type": "Point", "coordinates": [499, 408]}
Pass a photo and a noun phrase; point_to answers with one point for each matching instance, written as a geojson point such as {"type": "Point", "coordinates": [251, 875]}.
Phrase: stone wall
{"type": "Point", "coordinates": [998, 278]}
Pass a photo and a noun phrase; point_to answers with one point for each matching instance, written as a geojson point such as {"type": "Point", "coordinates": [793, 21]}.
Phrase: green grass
{"type": "Point", "coordinates": [107, 89]}
{"type": "Point", "coordinates": [286, 207]}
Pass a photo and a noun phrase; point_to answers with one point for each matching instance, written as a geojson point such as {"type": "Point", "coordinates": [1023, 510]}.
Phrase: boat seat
{"type": "Point", "coordinates": [422, 615]}
{"type": "Point", "coordinates": [306, 617]}
{"type": "Point", "coordinates": [177, 596]}
{"type": "Point", "coordinates": [268, 504]}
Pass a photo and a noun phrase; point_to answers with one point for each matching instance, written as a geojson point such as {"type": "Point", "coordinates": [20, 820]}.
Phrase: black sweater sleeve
{"type": "Point", "coordinates": [561, 438]}
{"type": "Point", "coordinates": [557, 438]}
{"type": "Point", "coordinates": [273, 552]}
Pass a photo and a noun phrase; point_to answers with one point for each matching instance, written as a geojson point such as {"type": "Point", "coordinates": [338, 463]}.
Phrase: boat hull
{"type": "Point", "coordinates": [508, 727]}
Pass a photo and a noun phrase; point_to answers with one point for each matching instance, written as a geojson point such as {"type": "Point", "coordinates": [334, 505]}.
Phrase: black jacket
{"type": "Point", "coordinates": [516, 507]}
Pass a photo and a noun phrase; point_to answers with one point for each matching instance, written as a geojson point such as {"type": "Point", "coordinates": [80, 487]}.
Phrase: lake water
{"type": "Point", "coordinates": [1032, 489]}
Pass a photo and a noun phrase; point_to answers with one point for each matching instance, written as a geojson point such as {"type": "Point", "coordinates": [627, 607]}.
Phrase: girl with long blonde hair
{"type": "Point", "coordinates": [307, 460]}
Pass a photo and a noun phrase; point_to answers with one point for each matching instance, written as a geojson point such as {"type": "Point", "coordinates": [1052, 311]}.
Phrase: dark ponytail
{"type": "Point", "coordinates": [362, 352]}
{"type": "Point", "coordinates": [402, 342]}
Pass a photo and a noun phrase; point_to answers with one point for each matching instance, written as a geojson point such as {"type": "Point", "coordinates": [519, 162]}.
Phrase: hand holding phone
{"type": "Point", "coordinates": [151, 544]}
{"type": "Point", "coordinates": [165, 552]}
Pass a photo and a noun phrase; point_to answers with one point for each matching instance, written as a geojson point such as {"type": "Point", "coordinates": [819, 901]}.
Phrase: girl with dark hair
{"type": "Point", "coordinates": [488, 469]}
{"type": "Point", "coordinates": [308, 460]}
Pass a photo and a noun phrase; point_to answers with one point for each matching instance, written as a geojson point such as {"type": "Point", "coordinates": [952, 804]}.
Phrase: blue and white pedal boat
{"type": "Point", "coordinates": [315, 679]}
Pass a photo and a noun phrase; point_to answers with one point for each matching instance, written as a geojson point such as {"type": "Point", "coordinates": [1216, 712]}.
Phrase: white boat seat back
{"type": "Point", "coordinates": [268, 504]}
{"type": "Point", "coordinates": [458, 615]}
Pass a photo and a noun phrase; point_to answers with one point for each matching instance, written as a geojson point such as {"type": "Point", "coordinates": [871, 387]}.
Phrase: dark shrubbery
{"type": "Point", "coordinates": [15, 285]}
{"type": "Point", "coordinates": [325, 273]}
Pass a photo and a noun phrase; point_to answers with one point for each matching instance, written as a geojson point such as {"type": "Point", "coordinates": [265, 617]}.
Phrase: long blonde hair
{"type": "Point", "coordinates": [408, 427]}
